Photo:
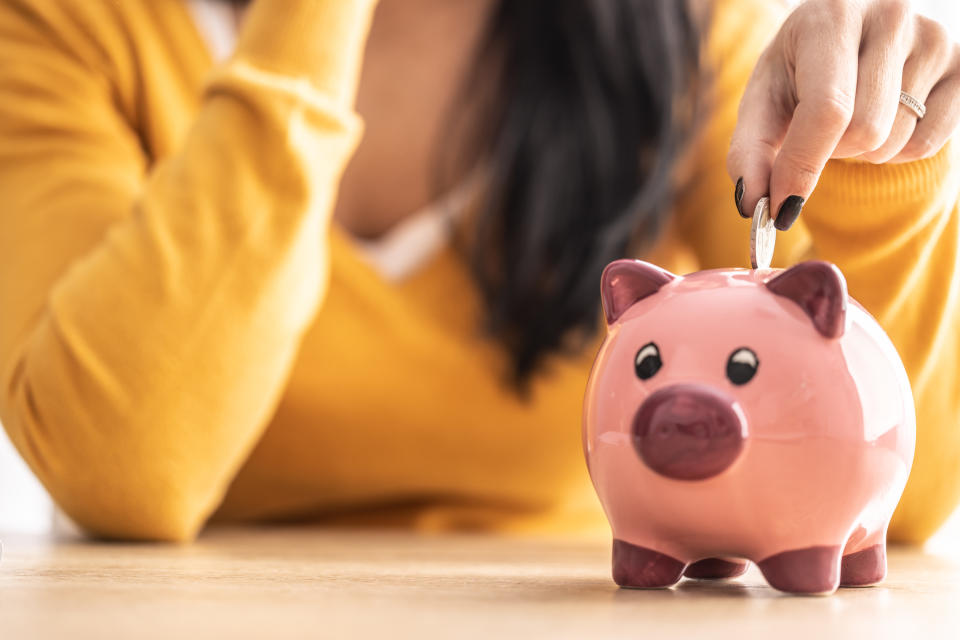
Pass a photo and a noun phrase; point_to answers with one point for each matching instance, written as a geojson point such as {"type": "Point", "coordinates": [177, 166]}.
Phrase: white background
{"type": "Point", "coordinates": [24, 506]}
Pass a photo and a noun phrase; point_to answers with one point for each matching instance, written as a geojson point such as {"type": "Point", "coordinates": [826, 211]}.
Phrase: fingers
{"type": "Point", "coordinates": [826, 81]}
{"type": "Point", "coordinates": [932, 79]}
{"type": "Point", "coordinates": [920, 74]}
{"type": "Point", "coordinates": [931, 133]}
{"type": "Point", "coordinates": [903, 127]}
{"type": "Point", "coordinates": [761, 126]}
{"type": "Point", "coordinates": [883, 51]}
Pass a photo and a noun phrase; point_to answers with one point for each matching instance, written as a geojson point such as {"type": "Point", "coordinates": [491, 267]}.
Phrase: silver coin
{"type": "Point", "coordinates": [763, 236]}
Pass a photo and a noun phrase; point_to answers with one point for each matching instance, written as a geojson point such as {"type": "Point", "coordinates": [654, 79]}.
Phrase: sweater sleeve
{"type": "Point", "coordinates": [894, 232]}
{"type": "Point", "coordinates": [149, 316]}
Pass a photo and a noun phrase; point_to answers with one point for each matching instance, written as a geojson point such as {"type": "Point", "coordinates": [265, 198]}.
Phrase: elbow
{"type": "Point", "coordinates": [116, 477]}
{"type": "Point", "coordinates": [146, 526]}
{"type": "Point", "coordinates": [142, 507]}
{"type": "Point", "coordinates": [117, 495]}
{"type": "Point", "coordinates": [109, 485]}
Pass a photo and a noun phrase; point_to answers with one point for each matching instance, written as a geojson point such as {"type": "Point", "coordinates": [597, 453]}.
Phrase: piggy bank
{"type": "Point", "coordinates": [737, 416]}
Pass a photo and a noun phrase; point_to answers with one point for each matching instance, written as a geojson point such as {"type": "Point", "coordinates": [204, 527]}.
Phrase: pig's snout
{"type": "Point", "coordinates": [688, 432]}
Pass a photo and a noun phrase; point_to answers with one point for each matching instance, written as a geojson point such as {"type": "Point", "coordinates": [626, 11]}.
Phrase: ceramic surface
{"type": "Point", "coordinates": [746, 415]}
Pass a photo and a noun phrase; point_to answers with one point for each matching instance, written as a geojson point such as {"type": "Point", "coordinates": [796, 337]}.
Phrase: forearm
{"type": "Point", "coordinates": [147, 372]}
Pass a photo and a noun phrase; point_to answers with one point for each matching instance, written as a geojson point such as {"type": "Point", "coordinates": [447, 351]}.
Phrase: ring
{"type": "Point", "coordinates": [913, 104]}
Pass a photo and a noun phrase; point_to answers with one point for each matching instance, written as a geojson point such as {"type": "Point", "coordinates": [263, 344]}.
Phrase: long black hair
{"type": "Point", "coordinates": [579, 111]}
{"type": "Point", "coordinates": [591, 105]}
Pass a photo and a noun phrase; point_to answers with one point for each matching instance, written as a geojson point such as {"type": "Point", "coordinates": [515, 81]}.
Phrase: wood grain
{"type": "Point", "coordinates": [309, 583]}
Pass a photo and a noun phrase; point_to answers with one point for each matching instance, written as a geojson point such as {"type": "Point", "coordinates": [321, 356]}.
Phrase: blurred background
{"type": "Point", "coordinates": [26, 507]}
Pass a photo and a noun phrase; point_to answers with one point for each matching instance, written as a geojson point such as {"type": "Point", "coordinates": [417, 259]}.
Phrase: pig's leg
{"type": "Point", "coordinates": [865, 567]}
{"type": "Point", "coordinates": [812, 570]}
{"type": "Point", "coordinates": [641, 568]}
{"type": "Point", "coordinates": [716, 569]}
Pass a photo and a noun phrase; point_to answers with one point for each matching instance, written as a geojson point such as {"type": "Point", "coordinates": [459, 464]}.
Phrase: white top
{"type": "Point", "coordinates": [215, 22]}
{"type": "Point", "coordinates": [409, 244]}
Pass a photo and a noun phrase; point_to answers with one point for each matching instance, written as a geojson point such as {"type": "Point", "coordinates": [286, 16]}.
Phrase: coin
{"type": "Point", "coordinates": [763, 236]}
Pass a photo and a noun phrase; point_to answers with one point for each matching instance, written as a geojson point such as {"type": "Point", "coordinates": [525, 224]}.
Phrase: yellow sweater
{"type": "Point", "coordinates": [185, 334]}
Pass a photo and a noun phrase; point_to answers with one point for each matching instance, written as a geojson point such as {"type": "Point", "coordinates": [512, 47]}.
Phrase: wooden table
{"type": "Point", "coordinates": [303, 582]}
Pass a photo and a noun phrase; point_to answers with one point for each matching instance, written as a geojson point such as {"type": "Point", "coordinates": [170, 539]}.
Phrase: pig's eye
{"type": "Point", "coordinates": [648, 361]}
{"type": "Point", "coordinates": [742, 366]}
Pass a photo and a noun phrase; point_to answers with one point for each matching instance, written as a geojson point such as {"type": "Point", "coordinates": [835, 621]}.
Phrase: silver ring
{"type": "Point", "coordinates": [913, 104]}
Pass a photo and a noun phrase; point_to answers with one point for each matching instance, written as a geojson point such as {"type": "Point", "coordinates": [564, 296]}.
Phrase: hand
{"type": "Point", "coordinates": [828, 86]}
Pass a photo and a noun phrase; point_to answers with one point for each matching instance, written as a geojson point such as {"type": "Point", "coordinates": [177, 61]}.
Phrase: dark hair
{"type": "Point", "coordinates": [579, 111]}
{"type": "Point", "coordinates": [590, 105]}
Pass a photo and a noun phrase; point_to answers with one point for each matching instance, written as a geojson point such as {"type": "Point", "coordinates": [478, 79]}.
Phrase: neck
{"type": "Point", "coordinates": [417, 56]}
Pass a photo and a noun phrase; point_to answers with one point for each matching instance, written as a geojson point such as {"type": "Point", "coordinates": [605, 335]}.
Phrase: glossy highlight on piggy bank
{"type": "Point", "coordinates": [746, 415]}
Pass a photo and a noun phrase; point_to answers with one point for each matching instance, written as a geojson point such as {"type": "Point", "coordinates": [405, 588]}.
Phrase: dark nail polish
{"type": "Point", "coordinates": [789, 211]}
{"type": "Point", "coordinates": [738, 197]}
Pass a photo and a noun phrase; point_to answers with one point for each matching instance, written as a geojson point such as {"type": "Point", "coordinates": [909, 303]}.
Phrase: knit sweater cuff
{"type": "Point", "coordinates": [321, 40]}
{"type": "Point", "coordinates": [864, 195]}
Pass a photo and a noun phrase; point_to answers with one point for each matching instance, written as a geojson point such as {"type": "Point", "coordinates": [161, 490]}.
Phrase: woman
{"type": "Point", "coordinates": [202, 315]}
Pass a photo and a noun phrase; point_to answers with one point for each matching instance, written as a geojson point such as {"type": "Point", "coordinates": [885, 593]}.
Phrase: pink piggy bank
{"type": "Point", "coordinates": [738, 415]}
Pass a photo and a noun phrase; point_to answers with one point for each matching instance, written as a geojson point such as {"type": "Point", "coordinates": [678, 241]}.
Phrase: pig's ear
{"type": "Point", "coordinates": [624, 282]}
{"type": "Point", "coordinates": [820, 290]}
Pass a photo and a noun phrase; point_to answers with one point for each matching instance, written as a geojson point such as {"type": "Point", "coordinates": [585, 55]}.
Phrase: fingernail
{"type": "Point", "coordinates": [789, 211]}
{"type": "Point", "coordinates": [738, 197]}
